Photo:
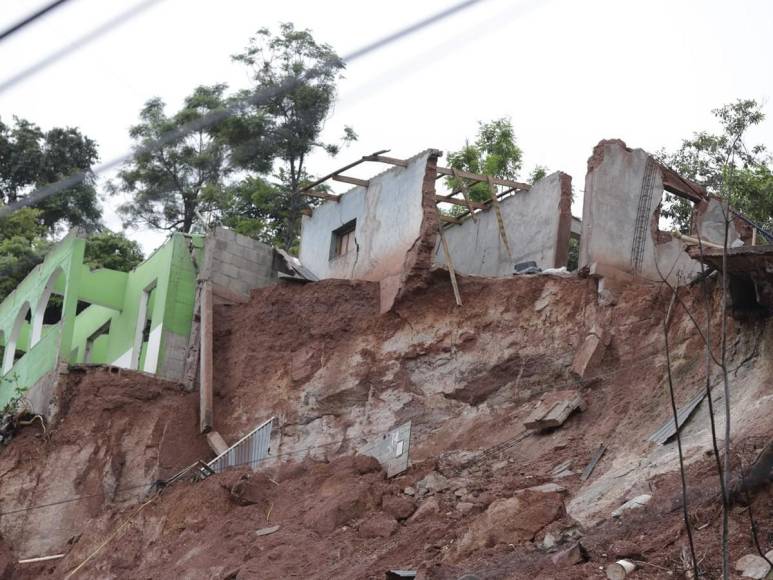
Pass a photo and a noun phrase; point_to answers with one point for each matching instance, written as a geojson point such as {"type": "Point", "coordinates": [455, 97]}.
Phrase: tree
{"type": "Point", "coordinates": [708, 158]}
{"type": "Point", "coordinates": [31, 158]}
{"type": "Point", "coordinates": [174, 185]}
{"type": "Point", "coordinates": [494, 152]}
{"type": "Point", "coordinates": [293, 119]}
{"type": "Point", "coordinates": [22, 246]}
{"type": "Point", "coordinates": [107, 249]}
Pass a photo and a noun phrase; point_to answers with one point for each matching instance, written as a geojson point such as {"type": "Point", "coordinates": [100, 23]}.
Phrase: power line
{"type": "Point", "coordinates": [258, 98]}
{"type": "Point", "coordinates": [30, 19]}
{"type": "Point", "coordinates": [78, 43]}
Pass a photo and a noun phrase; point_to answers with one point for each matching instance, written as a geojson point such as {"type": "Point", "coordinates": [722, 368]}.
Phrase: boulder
{"type": "Point", "coordinates": [378, 525]}
{"type": "Point", "coordinates": [752, 566]}
{"type": "Point", "coordinates": [399, 507]}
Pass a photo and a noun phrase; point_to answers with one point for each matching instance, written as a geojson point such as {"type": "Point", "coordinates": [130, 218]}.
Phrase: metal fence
{"type": "Point", "coordinates": [249, 451]}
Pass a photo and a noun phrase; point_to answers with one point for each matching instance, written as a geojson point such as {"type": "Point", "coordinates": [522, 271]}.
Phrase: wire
{"type": "Point", "coordinates": [258, 98]}
{"type": "Point", "coordinates": [30, 19]}
{"type": "Point", "coordinates": [78, 43]}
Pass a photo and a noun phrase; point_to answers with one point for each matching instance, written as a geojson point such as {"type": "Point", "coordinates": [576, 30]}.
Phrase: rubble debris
{"type": "Point", "coordinates": [41, 559]}
{"type": "Point", "coordinates": [379, 525]}
{"type": "Point", "coordinates": [638, 502]}
{"type": "Point", "coordinates": [593, 461]}
{"type": "Point", "coordinates": [433, 482]}
{"type": "Point", "coordinates": [248, 451]}
{"type": "Point", "coordinates": [553, 409]}
{"type": "Point", "coordinates": [752, 566]}
{"type": "Point", "coordinates": [217, 443]}
{"type": "Point", "coordinates": [400, 508]}
{"type": "Point", "coordinates": [572, 555]}
{"type": "Point", "coordinates": [620, 569]}
{"type": "Point", "coordinates": [591, 353]}
{"type": "Point", "coordinates": [267, 531]}
{"type": "Point", "coordinates": [668, 429]}
{"type": "Point", "coordinates": [529, 267]}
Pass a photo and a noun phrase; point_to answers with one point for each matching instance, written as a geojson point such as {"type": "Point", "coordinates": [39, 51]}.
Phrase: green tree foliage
{"type": "Point", "coordinates": [107, 249]}
{"type": "Point", "coordinates": [289, 124]}
{"type": "Point", "coordinates": [22, 246]}
{"type": "Point", "coordinates": [31, 158]}
{"type": "Point", "coordinates": [537, 173]}
{"type": "Point", "coordinates": [723, 160]}
{"type": "Point", "coordinates": [173, 186]}
{"type": "Point", "coordinates": [494, 152]}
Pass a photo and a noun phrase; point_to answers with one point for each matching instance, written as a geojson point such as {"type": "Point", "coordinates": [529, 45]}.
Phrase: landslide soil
{"type": "Point", "coordinates": [335, 373]}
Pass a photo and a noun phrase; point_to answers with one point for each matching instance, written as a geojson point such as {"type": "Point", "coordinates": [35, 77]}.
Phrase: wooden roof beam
{"type": "Point", "coordinates": [320, 195]}
{"type": "Point", "coordinates": [448, 199]}
{"type": "Point", "coordinates": [352, 180]}
{"type": "Point", "coordinates": [515, 185]}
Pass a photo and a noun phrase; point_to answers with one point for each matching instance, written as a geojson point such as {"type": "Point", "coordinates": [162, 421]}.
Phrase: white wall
{"type": "Point", "coordinates": [532, 221]}
{"type": "Point", "coordinates": [389, 216]}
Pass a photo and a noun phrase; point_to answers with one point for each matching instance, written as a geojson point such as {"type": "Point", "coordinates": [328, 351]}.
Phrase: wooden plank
{"type": "Point", "coordinates": [516, 185]}
{"type": "Point", "coordinates": [342, 169]}
{"type": "Point", "coordinates": [593, 461]}
{"type": "Point", "coordinates": [500, 222]}
{"type": "Point", "coordinates": [205, 364]}
{"type": "Point", "coordinates": [450, 264]}
{"type": "Point", "coordinates": [390, 160]}
{"type": "Point", "coordinates": [352, 180]}
{"type": "Point", "coordinates": [41, 559]}
{"type": "Point", "coordinates": [454, 201]}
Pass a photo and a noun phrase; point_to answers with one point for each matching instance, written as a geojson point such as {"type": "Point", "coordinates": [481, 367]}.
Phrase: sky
{"type": "Point", "coordinates": [568, 73]}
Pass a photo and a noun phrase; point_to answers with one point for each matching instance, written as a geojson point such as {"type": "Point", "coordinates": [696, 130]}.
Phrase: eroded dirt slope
{"type": "Point", "coordinates": [335, 373]}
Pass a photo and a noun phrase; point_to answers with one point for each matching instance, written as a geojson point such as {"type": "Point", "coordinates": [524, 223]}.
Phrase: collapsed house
{"type": "Point", "coordinates": [438, 394]}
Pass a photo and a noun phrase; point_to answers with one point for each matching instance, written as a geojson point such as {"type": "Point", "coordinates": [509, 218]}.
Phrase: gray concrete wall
{"type": "Point", "coordinates": [237, 262]}
{"type": "Point", "coordinates": [623, 188]}
{"type": "Point", "coordinates": [537, 222]}
{"type": "Point", "coordinates": [389, 217]}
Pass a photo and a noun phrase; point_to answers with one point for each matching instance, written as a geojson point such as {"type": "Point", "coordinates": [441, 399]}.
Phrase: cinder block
{"type": "Point", "coordinates": [229, 270]}
{"type": "Point", "coordinates": [221, 279]}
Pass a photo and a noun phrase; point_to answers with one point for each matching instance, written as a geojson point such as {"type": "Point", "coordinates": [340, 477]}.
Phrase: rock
{"type": "Point", "coordinates": [591, 353]}
{"type": "Point", "coordinates": [752, 566]}
{"type": "Point", "coordinates": [400, 508]}
{"type": "Point", "coordinates": [465, 507]}
{"type": "Point", "coordinates": [461, 492]}
{"type": "Point", "coordinates": [409, 491]}
{"type": "Point", "coordinates": [625, 549]}
{"type": "Point", "coordinates": [549, 541]}
{"type": "Point", "coordinates": [267, 531]}
{"type": "Point", "coordinates": [426, 509]}
{"type": "Point", "coordinates": [511, 521]}
{"type": "Point", "coordinates": [568, 557]}
{"type": "Point", "coordinates": [379, 525]}
{"type": "Point", "coordinates": [251, 490]}
{"type": "Point", "coordinates": [636, 503]}
{"type": "Point", "coordinates": [545, 488]}
{"type": "Point", "coordinates": [432, 483]}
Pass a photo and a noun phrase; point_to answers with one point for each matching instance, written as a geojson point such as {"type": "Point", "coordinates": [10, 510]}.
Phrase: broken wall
{"type": "Point", "coordinates": [388, 216]}
{"type": "Point", "coordinates": [623, 191]}
{"type": "Point", "coordinates": [538, 226]}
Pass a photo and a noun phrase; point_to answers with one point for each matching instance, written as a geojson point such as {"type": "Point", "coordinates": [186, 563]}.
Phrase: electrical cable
{"type": "Point", "coordinates": [27, 20]}
{"type": "Point", "coordinates": [215, 117]}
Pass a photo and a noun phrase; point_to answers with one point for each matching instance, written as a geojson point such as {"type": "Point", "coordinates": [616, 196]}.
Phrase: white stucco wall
{"type": "Point", "coordinates": [614, 186]}
{"type": "Point", "coordinates": [532, 222]}
{"type": "Point", "coordinates": [389, 217]}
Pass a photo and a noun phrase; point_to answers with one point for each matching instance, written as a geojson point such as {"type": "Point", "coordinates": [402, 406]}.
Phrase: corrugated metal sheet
{"type": "Point", "coordinates": [249, 451]}
{"type": "Point", "coordinates": [668, 430]}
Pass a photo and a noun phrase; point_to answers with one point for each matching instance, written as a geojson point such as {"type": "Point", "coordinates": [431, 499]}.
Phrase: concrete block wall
{"type": "Point", "coordinates": [237, 262]}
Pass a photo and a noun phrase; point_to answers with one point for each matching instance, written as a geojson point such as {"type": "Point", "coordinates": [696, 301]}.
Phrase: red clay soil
{"type": "Point", "coordinates": [321, 355]}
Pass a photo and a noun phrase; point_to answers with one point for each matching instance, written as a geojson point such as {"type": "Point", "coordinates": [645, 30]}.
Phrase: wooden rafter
{"type": "Point", "coordinates": [516, 185]}
{"type": "Point", "coordinates": [342, 169]}
{"type": "Point", "coordinates": [352, 180]}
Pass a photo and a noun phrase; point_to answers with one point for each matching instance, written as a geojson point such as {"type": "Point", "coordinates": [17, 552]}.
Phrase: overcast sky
{"type": "Point", "coordinates": [568, 73]}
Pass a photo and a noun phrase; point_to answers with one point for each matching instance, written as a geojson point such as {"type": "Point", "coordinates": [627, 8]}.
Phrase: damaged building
{"type": "Point", "coordinates": [426, 383]}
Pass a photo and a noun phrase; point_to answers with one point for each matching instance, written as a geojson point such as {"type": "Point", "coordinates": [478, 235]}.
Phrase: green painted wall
{"type": "Point", "coordinates": [114, 296]}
